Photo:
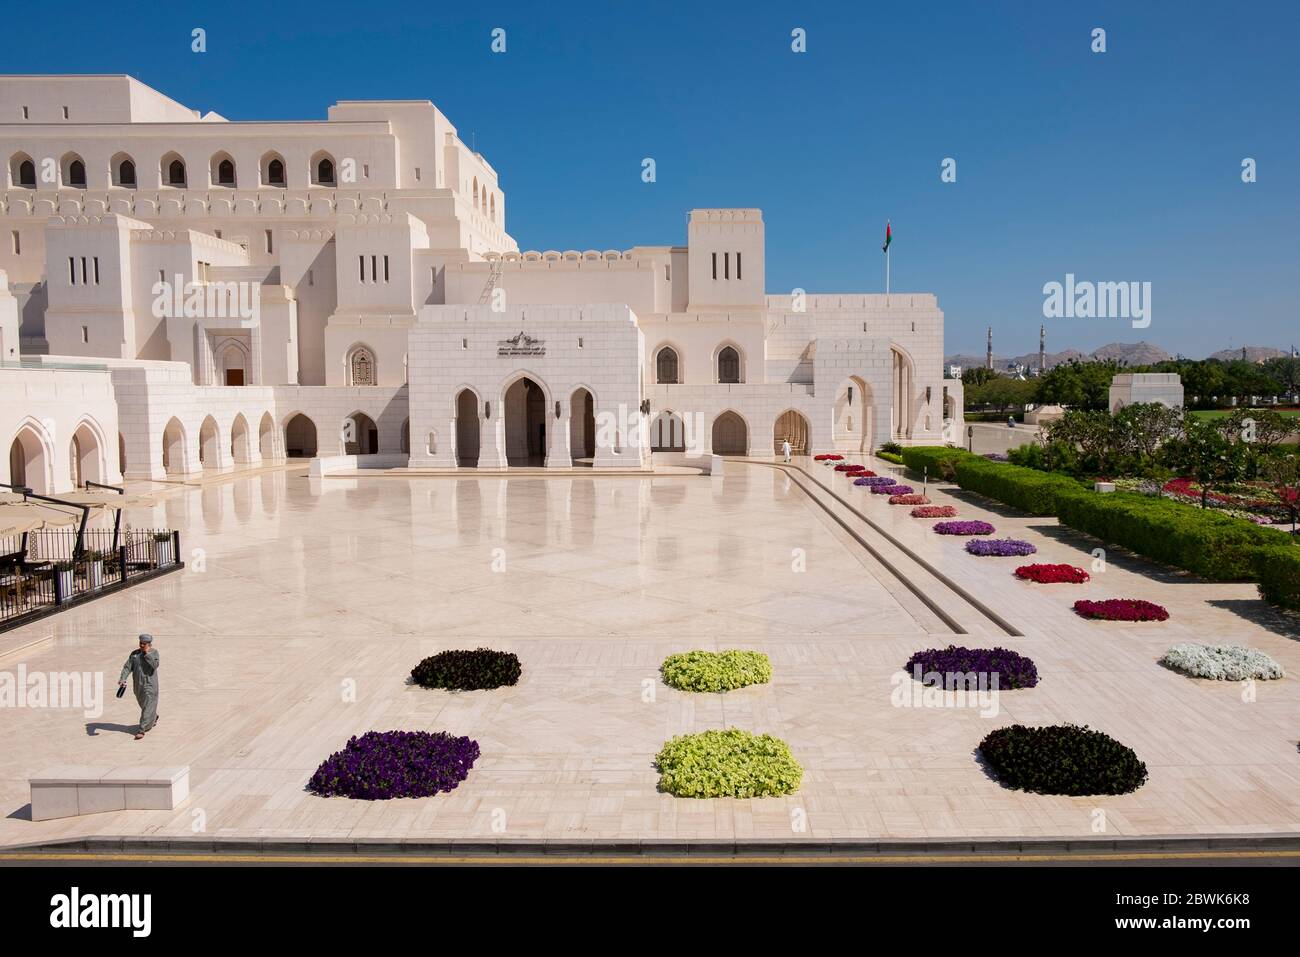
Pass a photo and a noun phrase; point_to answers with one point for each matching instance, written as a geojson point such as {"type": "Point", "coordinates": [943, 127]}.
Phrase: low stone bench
{"type": "Point", "coordinates": [69, 790]}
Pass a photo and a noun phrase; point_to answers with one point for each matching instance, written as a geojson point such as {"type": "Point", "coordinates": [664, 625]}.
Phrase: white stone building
{"type": "Point", "coordinates": [246, 291]}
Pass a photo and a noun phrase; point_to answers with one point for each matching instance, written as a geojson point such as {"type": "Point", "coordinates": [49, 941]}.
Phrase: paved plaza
{"type": "Point", "coordinates": [306, 603]}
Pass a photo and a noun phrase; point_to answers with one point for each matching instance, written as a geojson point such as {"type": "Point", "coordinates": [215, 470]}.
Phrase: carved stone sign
{"type": "Point", "coordinates": [521, 345]}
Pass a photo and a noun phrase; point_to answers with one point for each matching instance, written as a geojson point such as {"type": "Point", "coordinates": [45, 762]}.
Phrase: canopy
{"type": "Point", "coordinates": [18, 519]}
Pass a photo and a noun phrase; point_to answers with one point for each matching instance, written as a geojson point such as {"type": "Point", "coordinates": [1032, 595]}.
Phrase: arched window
{"type": "Point", "coordinates": [476, 192]}
{"type": "Point", "coordinates": [323, 171]}
{"type": "Point", "coordinates": [728, 365]}
{"type": "Point", "coordinates": [77, 174]}
{"type": "Point", "coordinates": [666, 366]}
{"type": "Point", "coordinates": [226, 173]}
{"type": "Point", "coordinates": [23, 171]}
{"type": "Point", "coordinates": [361, 367]}
{"type": "Point", "coordinates": [126, 174]}
{"type": "Point", "coordinates": [176, 173]}
{"type": "Point", "coordinates": [494, 207]}
{"type": "Point", "coordinates": [275, 173]}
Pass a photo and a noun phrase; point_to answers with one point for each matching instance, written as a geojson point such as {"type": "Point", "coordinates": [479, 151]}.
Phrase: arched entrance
{"type": "Point", "coordinates": [173, 448]}
{"type": "Point", "coordinates": [582, 427]}
{"type": "Point", "coordinates": [360, 435]}
{"type": "Point", "coordinates": [300, 437]}
{"type": "Point", "coordinates": [85, 456]}
{"type": "Point", "coordinates": [852, 427]}
{"type": "Point", "coordinates": [29, 461]}
{"type": "Point", "coordinates": [525, 422]}
{"type": "Point", "coordinates": [209, 444]}
{"type": "Point", "coordinates": [790, 425]}
{"type": "Point", "coordinates": [240, 450]}
{"type": "Point", "coordinates": [266, 437]}
{"type": "Point", "coordinates": [467, 429]}
{"type": "Point", "coordinates": [667, 433]}
{"type": "Point", "coordinates": [730, 435]}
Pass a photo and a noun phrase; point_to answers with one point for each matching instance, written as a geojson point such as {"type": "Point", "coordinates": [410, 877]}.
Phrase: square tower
{"type": "Point", "coordinates": [725, 259]}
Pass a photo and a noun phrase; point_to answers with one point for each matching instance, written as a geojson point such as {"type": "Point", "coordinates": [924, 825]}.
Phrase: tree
{"type": "Point", "coordinates": [1284, 475]}
{"type": "Point", "coordinates": [1207, 455]}
{"type": "Point", "coordinates": [1262, 428]}
{"type": "Point", "coordinates": [1144, 426]}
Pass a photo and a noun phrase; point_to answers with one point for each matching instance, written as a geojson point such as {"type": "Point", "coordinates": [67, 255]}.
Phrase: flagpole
{"type": "Point", "coordinates": [886, 272]}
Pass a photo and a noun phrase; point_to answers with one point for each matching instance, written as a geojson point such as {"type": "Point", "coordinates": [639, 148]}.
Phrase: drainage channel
{"type": "Point", "coordinates": [908, 581]}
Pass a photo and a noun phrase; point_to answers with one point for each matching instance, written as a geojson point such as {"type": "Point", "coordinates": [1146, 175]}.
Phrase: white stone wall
{"type": "Point", "coordinates": [43, 409]}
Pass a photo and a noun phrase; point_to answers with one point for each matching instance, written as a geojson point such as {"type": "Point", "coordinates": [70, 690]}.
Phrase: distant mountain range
{"type": "Point", "coordinates": [1128, 353]}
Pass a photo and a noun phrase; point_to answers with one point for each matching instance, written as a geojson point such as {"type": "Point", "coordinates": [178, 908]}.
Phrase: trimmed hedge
{"type": "Point", "coordinates": [468, 670]}
{"type": "Point", "coordinates": [1278, 569]}
{"type": "Point", "coordinates": [731, 763]}
{"type": "Point", "coordinates": [890, 457]}
{"type": "Point", "coordinates": [1062, 759]}
{"type": "Point", "coordinates": [716, 670]}
{"type": "Point", "coordinates": [1215, 546]}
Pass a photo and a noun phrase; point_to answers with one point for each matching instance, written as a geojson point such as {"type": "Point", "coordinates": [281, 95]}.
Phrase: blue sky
{"type": "Point", "coordinates": [1124, 165]}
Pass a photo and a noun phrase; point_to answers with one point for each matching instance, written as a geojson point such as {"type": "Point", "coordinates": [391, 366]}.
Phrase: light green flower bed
{"type": "Point", "coordinates": [731, 763]}
{"type": "Point", "coordinates": [716, 670]}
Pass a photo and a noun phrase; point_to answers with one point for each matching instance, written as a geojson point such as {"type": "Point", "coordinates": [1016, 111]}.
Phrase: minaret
{"type": "Point", "coordinates": [1042, 349]}
{"type": "Point", "coordinates": [988, 354]}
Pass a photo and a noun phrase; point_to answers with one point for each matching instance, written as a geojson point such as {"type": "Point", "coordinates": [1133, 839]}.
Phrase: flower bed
{"type": "Point", "coordinates": [1062, 759]}
{"type": "Point", "coordinates": [731, 763]}
{"type": "Point", "coordinates": [892, 490]}
{"type": "Point", "coordinates": [957, 665]}
{"type": "Point", "coordinates": [395, 764]}
{"type": "Point", "coordinates": [1121, 609]}
{"type": "Point", "coordinates": [828, 457]}
{"type": "Point", "coordinates": [908, 498]}
{"type": "Point", "coordinates": [999, 547]}
{"type": "Point", "coordinates": [1222, 662]}
{"type": "Point", "coordinates": [1052, 574]}
{"type": "Point", "coordinates": [716, 670]}
{"type": "Point", "coordinates": [872, 480]}
{"type": "Point", "coordinates": [468, 670]}
{"type": "Point", "coordinates": [934, 511]}
{"type": "Point", "coordinates": [845, 467]}
{"type": "Point", "coordinates": [964, 528]}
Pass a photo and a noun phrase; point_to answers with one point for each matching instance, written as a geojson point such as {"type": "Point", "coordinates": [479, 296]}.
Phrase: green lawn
{"type": "Point", "coordinates": [1224, 413]}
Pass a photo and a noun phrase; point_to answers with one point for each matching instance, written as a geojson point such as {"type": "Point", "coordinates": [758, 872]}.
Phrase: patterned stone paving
{"type": "Point", "coordinates": [307, 588]}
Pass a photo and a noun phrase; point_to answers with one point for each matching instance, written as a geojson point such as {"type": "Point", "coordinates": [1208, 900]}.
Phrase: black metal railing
{"type": "Point", "coordinates": [45, 570]}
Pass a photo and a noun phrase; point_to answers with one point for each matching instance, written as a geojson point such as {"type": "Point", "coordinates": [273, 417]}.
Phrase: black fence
{"type": "Point", "coordinates": [45, 570]}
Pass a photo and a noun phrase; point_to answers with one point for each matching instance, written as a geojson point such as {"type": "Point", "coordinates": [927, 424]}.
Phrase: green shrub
{"type": "Point", "coordinates": [467, 670]}
{"type": "Point", "coordinates": [890, 457]}
{"type": "Point", "coordinates": [731, 763]}
{"type": "Point", "coordinates": [716, 670]}
{"type": "Point", "coordinates": [893, 448]}
{"type": "Point", "coordinates": [1278, 569]}
{"type": "Point", "coordinates": [919, 458]}
{"type": "Point", "coordinates": [1214, 546]}
{"type": "Point", "coordinates": [1027, 489]}
{"type": "Point", "coordinates": [1062, 759]}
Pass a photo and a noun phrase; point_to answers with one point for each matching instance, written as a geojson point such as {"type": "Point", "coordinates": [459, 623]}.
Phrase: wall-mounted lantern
{"type": "Point", "coordinates": [557, 408]}
{"type": "Point", "coordinates": [487, 410]}
{"type": "Point", "coordinates": [645, 406]}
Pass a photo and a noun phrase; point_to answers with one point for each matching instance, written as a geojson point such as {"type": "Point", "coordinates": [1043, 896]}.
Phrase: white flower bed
{"type": "Point", "coordinates": [1224, 662]}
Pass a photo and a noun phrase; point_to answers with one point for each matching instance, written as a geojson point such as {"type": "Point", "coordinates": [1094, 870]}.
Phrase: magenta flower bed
{"type": "Point", "coordinates": [964, 528]}
{"type": "Point", "coordinates": [999, 547]}
{"type": "Point", "coordinates": [1052, 574]}
{"type": "Point", "coordinates": [828, 457]}
{"type": "Point", "coordinates": [1121, 609]}
{"type": "Point", "coordinates": [908, 499]}
{"type": "Point", "coordinates": [874, 480]}
{"type": "Point", "coordinates": [892, 490]}
{"type": "Point", "coordinates": [845, 467]}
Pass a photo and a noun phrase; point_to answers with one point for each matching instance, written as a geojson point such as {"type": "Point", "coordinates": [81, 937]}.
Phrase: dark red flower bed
{"type": "Point", "coordinates": [1121, 609]}
{"type": "Point", "coordinates": [1052, 574]}
{"type": "Point", "coordinates": [912, 498]}
{"type": "Point", "coordinates": [828, 457]}
{"type": "Point", "coordinates": [856, 469]}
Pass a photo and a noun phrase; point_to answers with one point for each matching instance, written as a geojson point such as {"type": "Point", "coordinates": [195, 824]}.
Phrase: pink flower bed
{"type": "Point", "coordinates": [934, 511]}
{"type": "Point", "coordinates": [1121, 609]}
{"type": "Point", "coordinates": [965, 528]}
{"type": "Point", "coordinates": [915, 498]}
{"type": "Point", "coordinates": [892, 489]}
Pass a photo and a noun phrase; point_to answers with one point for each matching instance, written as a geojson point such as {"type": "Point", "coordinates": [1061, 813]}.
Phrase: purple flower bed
{"type": "Point", "coordinates": [871, 481]}
{"type": "Point", "coordinates": [955, 665]}
{"type": "Point", "coordinates": [997, 457]}
{"type": "Point", "coordinates": [892, 490]}
{"type": "Point", "coordinates": [964, 528]}
{"type": "Point", "coordinates": [1001, 547]}
{"type": "Point", "coordinates": [394, 764]}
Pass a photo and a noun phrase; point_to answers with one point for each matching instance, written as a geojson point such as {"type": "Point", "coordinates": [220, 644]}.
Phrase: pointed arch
{"type": "Point", "coordinates": [792, 426]}
{"type": "Point", "coordinates": [323, 171]}
{"type": "Point", "coordinates": [122, 172]}
{"type": "Point", "coordinates": [241, 449]}
{"type": "Point", "coordinates": [31, 457]}
{"type": "Point", "coordinates": [210, 456]}
{"type": "Point", "coordinates": [22, 171]}
{"type": "Point", "coordinates": [266, 437]}
{"type": "Point", "coordinates": [172, 172]}
{"type": "Point", "coordinates": [175, 446]}
{"type": "Point", "coordinates": [73, 170]}
{"type": "Point", "coordinates": [221, 170]}
{"type": "Point", "coordinates": [299, 436]}
{"type": "Point", "coordinates": [668, 432]}
{"type": "Point", "coordinates": [361, 365]}
{"type": "Point", "coordinates": [89, 453]}
{"type": "Point", "coordinates": [360, 434]}
{"type": "Point", "coordinates": [730, 434]}
{"type": "Point", "coordinates": [274, 173]}
{"type": "Point", "coordinates": [728, 362]}
{"type": "Point", "coordinates": [667, 364]}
